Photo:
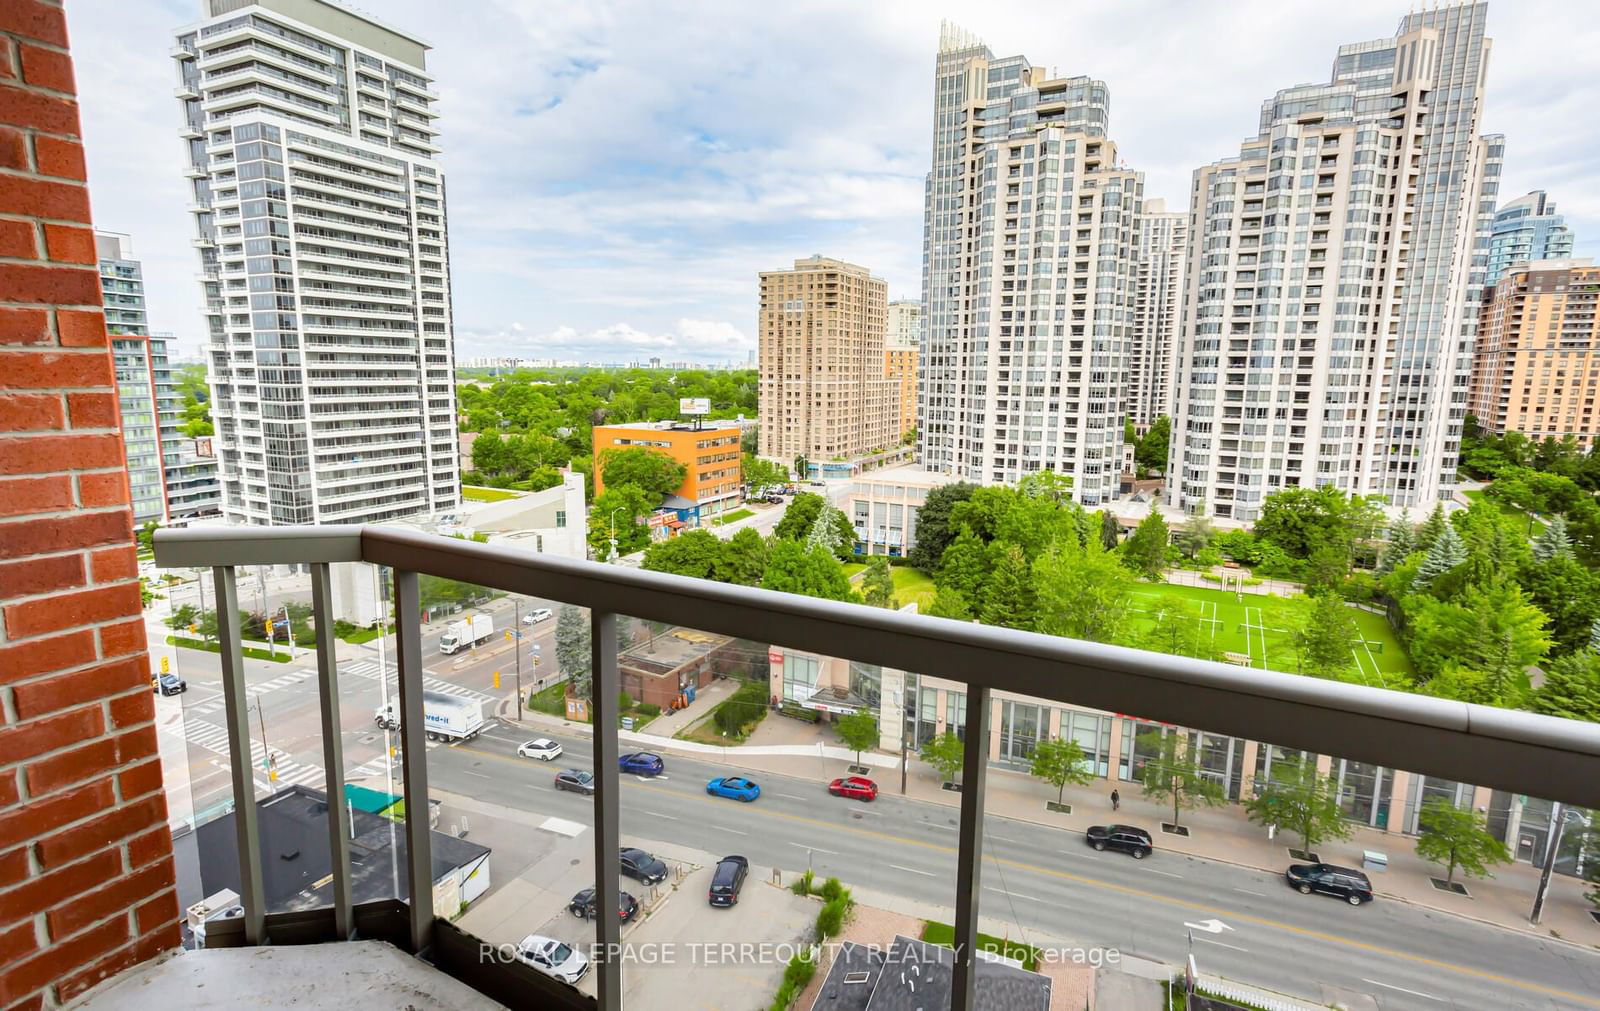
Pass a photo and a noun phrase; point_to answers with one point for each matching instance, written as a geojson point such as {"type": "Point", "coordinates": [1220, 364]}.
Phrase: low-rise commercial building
{"type": "Point", "coordinates": [883, 508]}
{"type": "Point", "coordinates": [714, 478]}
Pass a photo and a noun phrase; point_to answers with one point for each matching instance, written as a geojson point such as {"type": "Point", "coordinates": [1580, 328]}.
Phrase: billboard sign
{"type": "Point", "coordinates": [694, 406]}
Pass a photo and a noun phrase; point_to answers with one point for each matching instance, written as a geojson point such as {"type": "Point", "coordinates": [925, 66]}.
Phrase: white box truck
{"type": "Point", "coordinates": [466, 633]}
{"type": "Point", "coordinates": [446, 717]}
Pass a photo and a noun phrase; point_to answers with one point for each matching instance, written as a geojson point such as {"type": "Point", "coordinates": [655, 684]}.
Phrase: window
{"type": "Point", "coordinates": [561, 518]}
{"type": "Point", "coordinates": [799, 676]}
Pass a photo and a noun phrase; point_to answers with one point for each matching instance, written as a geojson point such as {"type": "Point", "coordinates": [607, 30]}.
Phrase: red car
{"type": "Point", "coordinates": [854, 787]}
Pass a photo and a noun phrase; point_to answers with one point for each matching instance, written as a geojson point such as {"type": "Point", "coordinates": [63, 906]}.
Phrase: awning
{"type": "Point", "coordinates": [839, 701]}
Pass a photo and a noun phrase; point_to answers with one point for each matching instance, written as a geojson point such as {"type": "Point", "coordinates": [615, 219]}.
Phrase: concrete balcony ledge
{"type": "Point", "coordinates": [337, 976]}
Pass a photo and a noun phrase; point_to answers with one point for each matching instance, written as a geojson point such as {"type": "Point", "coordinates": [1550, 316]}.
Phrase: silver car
{"type": "Point", "coordinates": [554, 958]}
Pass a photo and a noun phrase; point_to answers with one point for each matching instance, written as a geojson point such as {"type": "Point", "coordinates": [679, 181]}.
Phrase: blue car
{"type": "Point", "coordinates": [734, 788]}
{"type": "Point", "coordinates": [641, 763]}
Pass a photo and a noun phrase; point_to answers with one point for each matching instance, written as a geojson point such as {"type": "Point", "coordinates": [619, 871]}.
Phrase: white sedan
{"type": "Point", "coordinates": [553, 958]}
{"type": "Point", "coordinates": [536, 616]}
{"type": "Point", "coordinates": [541, 748]}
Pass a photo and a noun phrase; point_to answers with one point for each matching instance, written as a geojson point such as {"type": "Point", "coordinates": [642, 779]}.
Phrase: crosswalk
{"type": "Point", "coordinates": [290, 773]}
{"type": "Point", "coordinates": [369, 669]}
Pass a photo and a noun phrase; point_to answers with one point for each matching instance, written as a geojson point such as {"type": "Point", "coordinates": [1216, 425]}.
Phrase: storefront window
{"type": "Point", "coordinates": [866, 682]}
{"type": "Point", "coordinates": [1019, 731]}
{"type": "Point", "coordinates": [1139, 743]}
{"type": "Point", "coordinates": [799, 676]}
{"type": "Point", "coordinates": [955, 713]}
{"type": "Point", "coordinates": [1270, 756]}
{"type": "Point", "coordinates": [1092, 733]}
{"type": "Point", "coordinates": [928, 710]}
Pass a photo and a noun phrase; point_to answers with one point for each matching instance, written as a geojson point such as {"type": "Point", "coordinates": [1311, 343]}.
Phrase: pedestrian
{"type": "Point", "coordinates": [1116, 800]}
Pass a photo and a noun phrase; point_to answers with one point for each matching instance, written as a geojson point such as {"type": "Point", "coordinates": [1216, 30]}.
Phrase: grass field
{"type": "Point", "coordinates": [911, 586]}
{"type": "Point", "coordinates": [1248, 627]}
{"type": "Point", "coordinates": [486, 494]}
{"type": "Point", "coordinates": [733, 517]}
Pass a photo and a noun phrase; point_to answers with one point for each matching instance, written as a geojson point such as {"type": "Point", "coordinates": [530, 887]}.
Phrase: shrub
{"type": "Point", "coordinates": [799, 972]}
{"type": "Point", "coordinates": [782, 999]}
{"type": "Point", "coordinates": [647, 709]}
{"type": "Point", "coordinates": [831, 919]}
{"type": "Point", "coordinates": [624, 702]}
{"type": "Point", "coordinates": [802, 885]}
{"type": "Point", "coordinates": [832, 889]}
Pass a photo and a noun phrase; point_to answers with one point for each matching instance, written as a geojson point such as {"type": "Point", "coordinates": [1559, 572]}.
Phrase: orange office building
{"type": "Point", "coordinates": [715, 479]}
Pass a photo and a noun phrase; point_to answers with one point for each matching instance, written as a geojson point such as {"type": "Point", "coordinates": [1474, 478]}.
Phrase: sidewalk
{"type": "Point", "coordinates": [1222, 834]}
{"type": "Point", "coordinates": [705, 700]}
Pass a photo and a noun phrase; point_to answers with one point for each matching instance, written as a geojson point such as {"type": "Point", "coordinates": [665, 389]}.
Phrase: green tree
{"type": "Point", "coordinates": [654, 472]}
{"type": "Point", "coordinates": [692, 553]}
{"type": "Point", "coordinates": [147, 536]}
{"type": "Point", "coordinates": [1323, 642]}
{"type": "Point", "coordinates": [573, 650]}
{"type": "Point", "coordinates": [1110, 530]}
{"type": "Point", "coordinates": [1445, 553]}
{"type": "Point", "coordinates": [946, 754]}
{"type": "Point", "coordinates": [1569, 594]}
{"type": "Point", "coordinates": [802, 467]}
{"type": "Point", "coordinates": [1458, 838]}
{"type": "Point", "coordinates": [799, 516]}
{"type": "Point", "coordinates": [1175, 629]}
{"type": "Point", "coordinates": [1173, 773]}
{"type": "Point", "coordinates": [762, 474]}
{"type": "Point", "coordinates": [791, 568]}
{"type": "Point", "coordinates": [1060, 761]}
{"type": "Point", "coordinates": [965, 567]}
{"type": "Point", "coordinates": [1008, 597]}
{"type": "Point", "coordinates": [1488, 629]}
{"type": "Point", "coordinates": [934, 532]}
{"type": "Point", "coordinates": [831, 531]}
{"type": "Point", "coordinates": [743, 559]}
{"type": "Point", "coordinates": [1296, 798]}
{"type": "Point", "coordinates": [1432, 528]}
{"type": "Point", "coordinates": [1571, 688]}
{"type": "Point", "coordinates": [1146, 550]}
{"type": "Point", "coordinates": [858, 731]}
{"type": "Point", "coordinates": [949, 603]}
{"type": "Point", "coordinates": [1402, 541]}
{"type": "Point", "coordinates": [183, 617]}
{"type": "Point", "coordinates": [206, 622]}
{"type": "Point", "coordinates": [1083, 592]}
{"type": "Point", "coordinates": [1151, 452]}
{"type": "Point", "coordinates": [878, 583]}
{"type": "Point", "coordinates": [1326, 570]}
{"type": "Point", "coordinates": [620, 510]}
{"type": "Point", "coordinates": [1553, 542]}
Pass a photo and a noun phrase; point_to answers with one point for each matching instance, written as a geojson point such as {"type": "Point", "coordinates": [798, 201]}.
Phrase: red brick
{"type": "Point", "coordinates": [42, 655]}
{"type": "Point", "coordinates": [141, 950]}
{"type": "Point", "coordinates": [67, 244]}
{"type": "Point", "coordinates": [35, 412]}
{"type": "Point", "coordinates": [30, 370]}
{"type": "Point", "coordinates": [14, 867]}
{"type": "Point", "coordinates": [112, 827]}
{"type": "Point", "coordinates": [21, 496]}
{"type": "Point", "coordinates": [57, 960]}
{"type": "Point", "coordinates": [18, 942]}
{"type": "Point", "coordinates": [22, 282]}
{"type": "Point", "coordinates": [47, 68]}
{"type": "Point", "coordinates": [82, 329]}
{"type": "Point", "coordinates": [53, 888]}
{"type": "Point", "coordinates": [31, 19]}
{"type": "Point", "coordinates": [158, 912]}
{"type": "Point", "coordinates": [153, 845]}
{"type": "Point", "coordinates": [120, 640]}
{"type": "Point", "coordinates": [21, 107]}
{"type": "Point", "coordinates": [50, 536]}
{"type": "Point", "coordinates": [96, 491]}
{"type": "Point", "coordinates": [65, 610]}
{"type": "Point", "coordinates": [8, 70]}
{"type": "Point", "coordinates": [67, 768]}
{"type": "Point", "coordinates": [136, 745]}
{"type": "Point", "coordinates": [113, 565]}
{"type": "Point", "coordinates": [40, 575]}
{"type": "Point", "coordinates": [9, 793]}
{"type": "Point", "coordinates": [25, 326]}
{"type": "Point", "coordinates": [60, 158]}
{"type": "Point", "coordinates": [23, 824]}
{"type": "Point", "coordinates": [116, 897]}
{"type": "Point", "coordinates": [43, 454]}
{"type": "Point", "coordinates": [93, 410]}
{"type": "Point", "coordinates": [16, 237]}
{"type": "Point", "coordinates": [34, 1003]}
{"type": "Point", "coordinates": [13, 147]}
{"type": "Point", "coordinates": [63, 691]}
{"type": "Point", "coordinates": [140, 780]}
{"type": "Point", "coordinates": [23, 741]}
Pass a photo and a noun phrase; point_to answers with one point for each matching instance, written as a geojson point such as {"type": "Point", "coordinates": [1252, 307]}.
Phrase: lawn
{"type": "Point", "coordinates": [1247, 626]}
{"type": "Point", "coordinates": [552, 700]}
{"type": "Point", "coordinates": [911, 586]}
{"type": "Point", "coordinates": [734, 517]}
{"type": "Point", "coordinates": [212, 647]}
{"type": "Point", "coordinates": [944, 935]}
{"type": "Point", "coordinates": [486, 494]}
{"type": "Point", "coordinates": [361, 635]}
{"type": "Point", "coordinates": [1507, 509]}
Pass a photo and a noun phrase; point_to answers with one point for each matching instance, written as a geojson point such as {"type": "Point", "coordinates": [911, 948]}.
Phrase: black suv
{"type": "Point", "coordinates": [1120, 837]}
{"type": "Point", "coordinates": [582, 905]}
{"type": "Point", "coordinates": [1350, 885]}
{"type": "Point", "coordinates": [638, 864]}
{"type": "Point", "coordinates": [727, 879]}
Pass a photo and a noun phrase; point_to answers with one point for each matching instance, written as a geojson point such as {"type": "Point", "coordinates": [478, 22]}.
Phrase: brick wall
{"type": "Point", "coordinates": [86, 872]}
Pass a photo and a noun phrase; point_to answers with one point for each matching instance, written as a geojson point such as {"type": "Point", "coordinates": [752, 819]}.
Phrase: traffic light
{"type": "Point", "coordinates": [497, 680]}
{"type": "Point", "coordinates": [194, 629]}
{"type": "Point", "coordinates": [166, 664]}
{"type": "Point", "coordinates": [509, 635]}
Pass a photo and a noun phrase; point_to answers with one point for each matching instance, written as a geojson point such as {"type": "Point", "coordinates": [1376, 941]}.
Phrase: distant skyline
{"type": "Point", "coordinates": [620, 173]}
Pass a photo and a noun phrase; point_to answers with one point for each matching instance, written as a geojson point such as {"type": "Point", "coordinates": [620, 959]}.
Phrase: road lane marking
{"type": "Point", "coordinates": [734, 831]}
{"type": "Point", "coordinates": [1014, 895]}
{"type": "Point", "coordinates": [913, 870]}
{"type": "Point", "coordinates": [1169, 874]}
{"type": "Point", "coordinates": [1001, 838]}
{"type": "Point", "coordinates": [1221, 944]}
{"type": "Point", "coordinates": [469, 772]}
{"type": "Point", "coordinates": [790, 796]}
{"type": "Point", "coordinates": [814, 849]}
{"type": "Point", "coordinates": [664, 817]}
{"type": "Point", "coordinates": [1391, 986]}
{"type": "Point", "coordinates": [939, 824]}
{"type": "Point", "coordinates": [1247, 891]}
{"type": "Point", "coordinates": [1262, 921]}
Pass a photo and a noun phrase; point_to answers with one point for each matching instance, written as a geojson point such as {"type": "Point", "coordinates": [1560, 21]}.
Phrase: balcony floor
{"type": "Point", "coordinates": [370, 974]}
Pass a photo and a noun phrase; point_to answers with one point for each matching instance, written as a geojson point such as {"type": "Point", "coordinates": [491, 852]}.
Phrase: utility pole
{"type": "Point", "coordinates": [518, 603]}
{"type": "Point", "coordinates": [261, 605]}
{"type": "Point", "coordinates": [266, 752]}
{"type": "Point", "coordinates": [1558, 825]}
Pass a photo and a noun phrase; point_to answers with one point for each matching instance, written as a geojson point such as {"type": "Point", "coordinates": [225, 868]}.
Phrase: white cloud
{"type": "Point", "coordinates": [698, 340]}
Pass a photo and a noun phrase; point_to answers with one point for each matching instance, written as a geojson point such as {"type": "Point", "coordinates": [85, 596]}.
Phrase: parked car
{"type": "Point", "coordinates": [553, 958]}
{"type": "Point", "coordinates": [1131, 840]}
{"type": "Point", "coordinates": [542, 748]}
{"type": "Point", "coordinates": [854, 787]}
{"type": "Point", "coordinates": [734, 788]}
{"type": "Point", "coordinates": [641, 866]}
{"type": "Point", "coordinates": [727, 879]}
{"type": "Point", "coordinates": [537, 615]}
{"type": "Point", "coordinates": [776, 499]}
{"type": "Point", "coordinates": [574, 780]}
{"type": "Point", "coordinates": [169, 684]}
{"type": "Point", "coordinates": [582, 905]}
{"type": "Point", "coordinates": [1345, 882]}
{"type": "Point", "coordinates": [642, 763]}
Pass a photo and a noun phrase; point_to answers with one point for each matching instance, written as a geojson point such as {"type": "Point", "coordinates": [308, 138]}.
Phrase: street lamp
{"type": "Point", "coordinates": [614, 512]}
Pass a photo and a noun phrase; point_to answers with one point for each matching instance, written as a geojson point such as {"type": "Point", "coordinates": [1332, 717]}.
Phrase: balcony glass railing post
{"type": "Point", "coordinates": [414, 757]}
{"type": "Point", "coordinates": [607, 809]}
{"type": "Point", "coordinates": [252, 895]}
{"type": "Point", "coordinates": [969, 856]}
{"type": "Point", "coordinates": [332, 748]}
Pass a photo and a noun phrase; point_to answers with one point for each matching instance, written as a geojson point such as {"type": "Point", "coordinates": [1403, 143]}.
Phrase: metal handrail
{"type": "Point", "coordinates": [1510, 750]}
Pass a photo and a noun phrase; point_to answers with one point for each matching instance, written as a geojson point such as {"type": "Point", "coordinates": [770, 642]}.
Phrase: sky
{"type": "Point", "coordinates": [619, 172]}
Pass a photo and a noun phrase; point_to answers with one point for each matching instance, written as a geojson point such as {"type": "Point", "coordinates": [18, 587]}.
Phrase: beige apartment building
{"type": "Point", "coordinates": [824, 394]}
{"type": "Point", "coordinates": [901, 352]}
{"type": "Point", "coordinates": [1538, 356]}
{"type": "Point", "coordinates": [1157, 308]}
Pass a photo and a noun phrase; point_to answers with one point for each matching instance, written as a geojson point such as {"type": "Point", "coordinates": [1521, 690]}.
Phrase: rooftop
{"type": "Point", "coordinates": [912, 975]}
{"type": "Point", "coordinates": [670, 650]}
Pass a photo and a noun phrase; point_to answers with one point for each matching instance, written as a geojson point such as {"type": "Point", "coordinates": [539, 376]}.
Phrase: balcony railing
{"type": "Point", "coordinates": [1510, 750]}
